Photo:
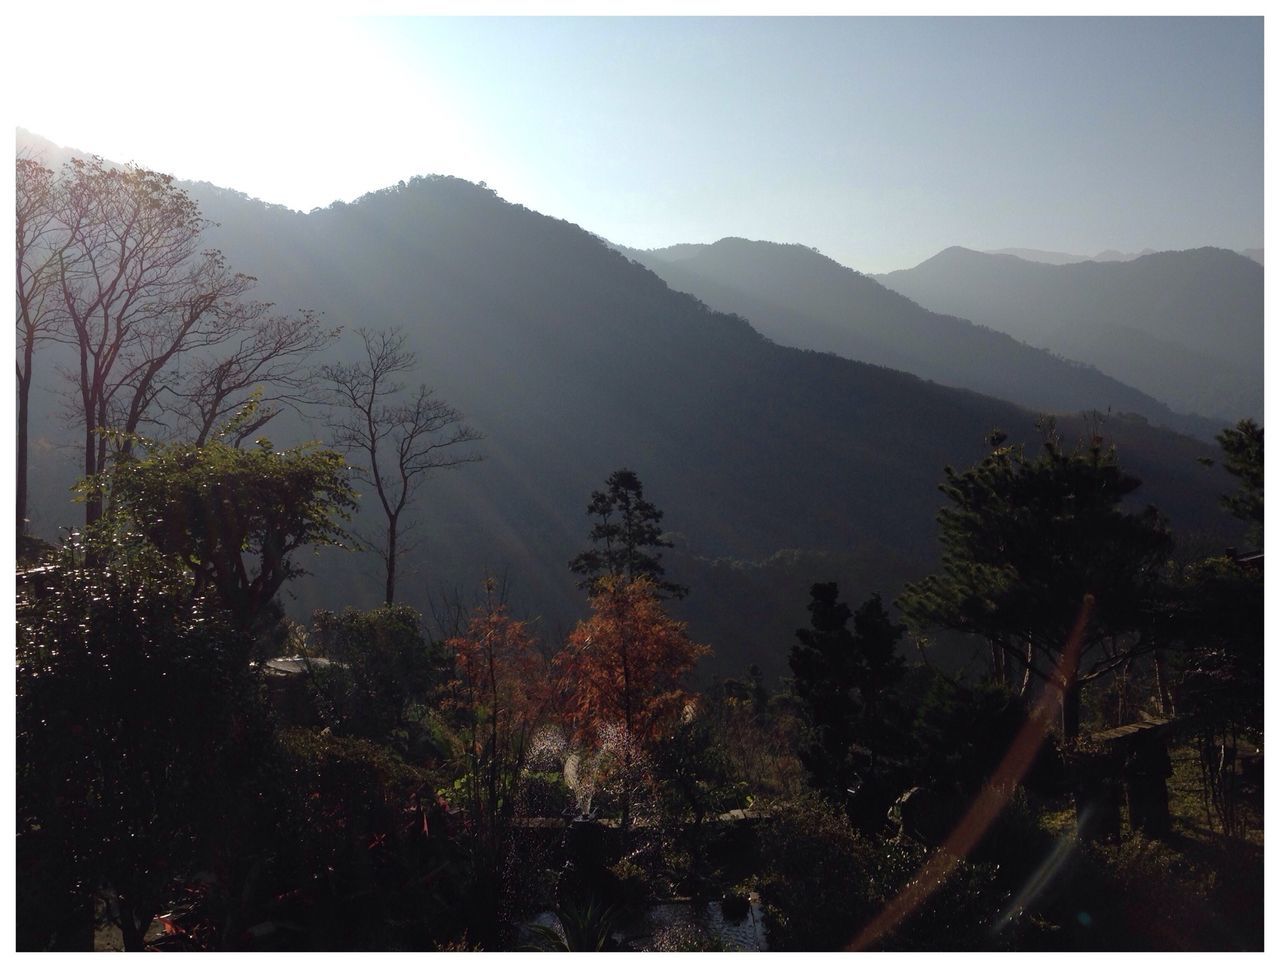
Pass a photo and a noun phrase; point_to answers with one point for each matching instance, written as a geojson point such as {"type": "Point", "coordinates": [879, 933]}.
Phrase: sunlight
{"type": "Point", "coordinates": [251, 106]}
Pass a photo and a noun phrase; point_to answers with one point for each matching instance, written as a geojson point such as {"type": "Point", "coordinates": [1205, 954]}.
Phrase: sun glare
{"type": "Point", "coordinates": [298, 113]}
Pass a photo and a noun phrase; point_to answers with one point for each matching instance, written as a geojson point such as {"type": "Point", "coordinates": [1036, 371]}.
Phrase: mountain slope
{"type": "Point", "coordinates": [1185, 327]}
{"type": "Point", "coordinates": [798, 297]}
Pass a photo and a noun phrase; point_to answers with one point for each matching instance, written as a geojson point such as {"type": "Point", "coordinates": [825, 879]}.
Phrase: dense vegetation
{"type": "Point", "coordinates": [198, 770]}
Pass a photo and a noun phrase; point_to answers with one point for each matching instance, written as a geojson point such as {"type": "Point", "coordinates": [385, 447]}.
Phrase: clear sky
{"type": "Point", "coordinates": [879, 141]}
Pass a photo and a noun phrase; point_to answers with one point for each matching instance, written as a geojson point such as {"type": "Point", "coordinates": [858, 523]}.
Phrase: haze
{"type": "Point", "coordinates": [879, 141]}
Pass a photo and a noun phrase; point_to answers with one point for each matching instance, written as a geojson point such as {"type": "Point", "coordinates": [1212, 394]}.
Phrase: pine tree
{"type": "Point", "coordinates": [627, 527]}
{"type": "Point", "coordinates": [1040, 560]}
{"type": "Point", "coordinates": [844, 680]}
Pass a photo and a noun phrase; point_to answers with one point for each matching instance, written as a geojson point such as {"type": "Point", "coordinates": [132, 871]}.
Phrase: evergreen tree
{"type": "Point", "coordinates": [844, 680]}
{"type": "Point", "coordinates": [627, 527]}
{"type": "Point", "coordinates": [1242, 450]}
{"type": "Point", "coordinates": [1040, 560]}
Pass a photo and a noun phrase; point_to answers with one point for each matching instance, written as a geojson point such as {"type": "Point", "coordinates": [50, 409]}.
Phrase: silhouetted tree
{"type": "Point", "coordinates": [627, 526]}
{"type": "Point", "coordinates": [1242, 458]}
{"type": "Point", "coordinates": [38, 249]}
{"type": "Point", "coordinates": [401, 438]}
{"type": "Point", "coordinates": [844, 680]}
{"type": "Point", "coordinates": [131, 698]}
{"type": "Point", "coordinates": [1038, 554]}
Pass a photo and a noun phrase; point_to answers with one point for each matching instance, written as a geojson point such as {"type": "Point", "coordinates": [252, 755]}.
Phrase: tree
{"type": "Point", "coordinates": [1243, 460]}
{"type": "Point", "coordinates": [148, 311]}
{"type": "Point", "coordinates": [1040, 560]}
{"type": "Point", "coordinates": [624, 666]}
{"type": "Point", "coordinates": [266, 363]}
{"type": "Point", "coordinates": [132, 701]}
{"type": "Point", "coordinates": [627, 525]}
{"type": "Point", "coordinates": [500, 693]}
{"type": "Point", "coordinates": [38, 252]}
{"type": "Point", "coordinates": [401, 438]}
{"type": "Point", "coordinates": [386, 671]}
{"type": "Point", "coordinates": [843, 680]}
{"type": "Point", "coordinates": [234, 517]}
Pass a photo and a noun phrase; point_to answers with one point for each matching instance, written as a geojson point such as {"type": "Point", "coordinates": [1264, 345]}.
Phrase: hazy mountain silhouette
{"type": "Point", "coordinates": [1184, 327]}
{"type": "Point", "coordinates": [799, 297]}
{"type": "Point", "coordinates": [1066, 258]}
{"type": "Point", "coordinates": [1109, 255]}
{"type": "Point", "coordinates": [775, 466]}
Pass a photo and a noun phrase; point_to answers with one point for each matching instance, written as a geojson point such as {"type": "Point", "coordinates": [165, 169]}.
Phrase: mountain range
{"type": "Point", "coordinates": [776, 466]}
{"type": "Point", "coordinates": [799, 297]}
{"type": "Point", "coordinates": [1184, 327]}
{"type": "Point", "coordinates": [1109, 255]}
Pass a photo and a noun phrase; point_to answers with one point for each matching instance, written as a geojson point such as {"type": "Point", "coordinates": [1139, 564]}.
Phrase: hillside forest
{"type": "Point", "coordinates": [425, 573]}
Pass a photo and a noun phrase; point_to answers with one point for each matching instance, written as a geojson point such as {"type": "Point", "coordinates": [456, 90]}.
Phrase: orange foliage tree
{"type": "Point", "coordinates": [500, 690]}
{"type": "Point", "coordinates": [624, 666]}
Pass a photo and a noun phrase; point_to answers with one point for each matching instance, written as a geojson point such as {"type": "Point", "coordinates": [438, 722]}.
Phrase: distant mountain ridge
{"type": "Point", "coordinates": [798, 297]}
{"type": "Point", "coordinates": [1184, 327]}
{"type": "Point", "coordinates": [1108, 255]}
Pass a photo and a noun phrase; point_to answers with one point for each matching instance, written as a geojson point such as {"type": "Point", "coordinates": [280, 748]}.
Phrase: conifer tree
{"type": "Point", "coordinates": [1038, 553]}
{"type": "Point", "coordinates": [626, 530]}
{"type": "Point", "coordinates": [844, 680]}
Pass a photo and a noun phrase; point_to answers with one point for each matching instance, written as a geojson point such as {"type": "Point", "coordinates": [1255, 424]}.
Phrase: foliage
{"type": "Point", "coordinates": [962, 731]}
{"type": "Point", "coordinates": [1033, 545]}
{"type": "Point", "coordinates": [133, 699]}
{"type": "Point", "coordinates": [1243, 460]}
{"type": "Point", "coordinates": [499, 694]}
{"type": "Point", "coordinates": [1217, 617]}
{"type": "Point", "coordinates": [814, 870]}
{"type": "Point", "coordinates": [587, 926]}
{"type": "Point", "coordinates": [627, 526]}
{"type": "Point", "coordinates": [625, 664]}
{"type": "Point", "coordinates": [691, 761]}
{"type": "Point", "coordinates": [844, 681]}
{"type": "Point", "coordinates": [234, 517]}
{"type": "Point", "coordinates": [385, 672]}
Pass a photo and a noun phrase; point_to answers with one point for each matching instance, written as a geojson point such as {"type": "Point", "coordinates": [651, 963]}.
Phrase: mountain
{"type": "Point", "coordinates": [1066, 258]}
{"type": "Point", "coordinates": [1109, 255]}
{"type": "Point", "coordinates": [799, 297]}
{"type": "Point", "coordinates": [1185, 327]}
{"type": "Point", "coordinates": [776, 467]}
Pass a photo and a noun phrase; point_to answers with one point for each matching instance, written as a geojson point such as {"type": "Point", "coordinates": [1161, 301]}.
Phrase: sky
{"type": "Point", "coordinates": [879, 141]}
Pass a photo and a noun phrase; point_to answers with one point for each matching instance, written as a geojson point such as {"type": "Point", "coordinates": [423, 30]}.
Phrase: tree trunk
{"type": "Point", "coordinates": [999, 668]}
{"type": "Point", "coordinates": [391, 560]}
{"type": "Point", "coordinates": [1071, 712]}
{"type": "Point", "coordinates": [93, 503]}
{"type": "Point", "coordinates": [24, 394]}
{"type": "Point", "coordinates": [1162, 684]}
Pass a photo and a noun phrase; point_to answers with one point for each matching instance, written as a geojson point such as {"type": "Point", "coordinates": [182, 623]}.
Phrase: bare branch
{"type": "Point", "coordinates": [396, 440]}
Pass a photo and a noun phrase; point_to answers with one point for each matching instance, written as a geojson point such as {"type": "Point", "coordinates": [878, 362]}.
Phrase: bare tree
{"type": "Point", "coordinates": [159, 324]}
{"type": "Point", "coordinates": [400, 435]}
{"type": "Point", "coordinates": [39, 244]}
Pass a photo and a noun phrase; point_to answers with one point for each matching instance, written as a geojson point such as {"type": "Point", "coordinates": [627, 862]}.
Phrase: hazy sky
{"type": "Point", "coordinates": [880, 141]}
